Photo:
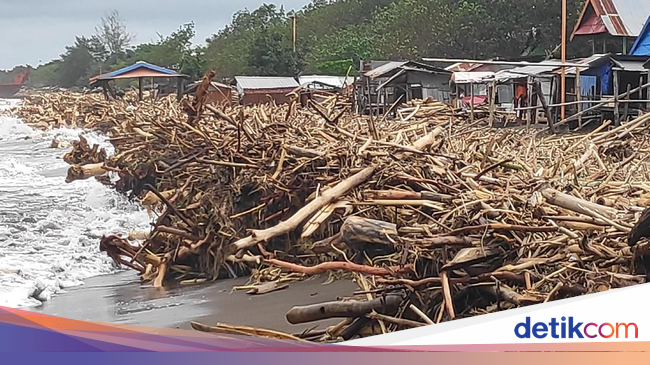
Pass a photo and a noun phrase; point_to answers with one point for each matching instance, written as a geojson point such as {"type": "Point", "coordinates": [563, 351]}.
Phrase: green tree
{"type": "Point", "coordinates": [113, 34]}
{"type": "Point", "coordinates": [272, 55]}
{"type": "Point", "coordinates": [75, 64]}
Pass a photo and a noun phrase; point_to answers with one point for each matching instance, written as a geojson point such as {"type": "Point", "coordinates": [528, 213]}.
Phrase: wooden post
{"type": "Point", "coordinates": [593, 44]}
{"type": "Point", "coordinates": [529, 112]}
{"type": "Point", "coordinates": [471, 85]}
{"type": "Point", "coordinates": [578, 96]}
{"type": "Point", "coordinates": [646, 94]}
{"type": "Point", "coordinates": [105, 91]}
{"type": "Point", "coordinates": [617, 120]}
{"type": "Point", "coordinates": [369, 106]}
{"type": "Point", "coordinates": [626, 107]}
{"type": "Point", "coordinates": [180, 88]}
{"type": "Point", "coordinates": [111, 92]}
{"type": "Point", "coordinates": [493, 97]}
{"type": "Point", "coordinates": [295, 31]}
{"type": "Point", "coordinates": [542, 99]}
{"type": "Point", "coordinates": [563, 75]}
{"type": "Point", "coordinates": [140, 88]}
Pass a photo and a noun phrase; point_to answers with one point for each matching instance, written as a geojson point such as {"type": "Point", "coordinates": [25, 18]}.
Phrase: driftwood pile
{"type": "Point", "coordinates": [436, 218]}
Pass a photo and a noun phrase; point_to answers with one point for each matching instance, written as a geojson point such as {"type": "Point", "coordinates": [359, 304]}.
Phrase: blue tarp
{"type": "Point", "coordinates": [604, 73]}
{"type": "Point", "coordinates": [642, 45]}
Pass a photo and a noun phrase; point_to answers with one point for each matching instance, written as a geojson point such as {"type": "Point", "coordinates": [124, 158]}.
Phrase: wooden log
{"type": "Point", "coordinates": [572, 203]}
{"type": "Point", "coordinates": [498, 226]}
{"type": "Point", "coordinates": [383, 305]}
{"type": "Point", "coordinates": [262, 236]}
{"type": "Point", "coordinates": [397, 321]}
{"type": "Point", "coordinates": [358, 231]}
{"type": "Point", "coordinates": [406, 195]}
{"type": "Point", "coordinates": [446, 292]}
{"type": "Point", "coordinates": [303, 152]}
{"type": "Point", "coordinates": [337, 265]}
{"type": "Point", "coordinates": [442, 241]}
{"type": "Point", "coordinates": [82, 172]}
{"type": "Point", "coordinates": [243, 330]}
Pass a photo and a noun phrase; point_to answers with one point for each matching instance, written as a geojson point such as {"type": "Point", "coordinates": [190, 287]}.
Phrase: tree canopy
{"type": "Point", "coordinates": [333, 35]}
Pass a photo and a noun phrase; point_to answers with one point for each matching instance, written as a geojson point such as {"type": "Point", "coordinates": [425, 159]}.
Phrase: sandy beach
{"type": "Point", "coordinates": [120, 298]}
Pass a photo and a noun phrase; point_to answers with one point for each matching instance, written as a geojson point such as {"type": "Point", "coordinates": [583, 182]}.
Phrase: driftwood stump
{"type": "Point", "coordinates": [368, 237]}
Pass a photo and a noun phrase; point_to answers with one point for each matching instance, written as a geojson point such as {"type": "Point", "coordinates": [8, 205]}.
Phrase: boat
{"type": "Point", "coordinates": [8, 90]}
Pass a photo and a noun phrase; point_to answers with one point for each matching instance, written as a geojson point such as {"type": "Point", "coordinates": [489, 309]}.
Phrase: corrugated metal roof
{"type": "Point", "coordinates": [469, 77]}
{"type": "Point", "coordinates": [535, 70]}
{"type": "Point", "coordinates": [463, 67]}
{"type": "Point", "coordinates": [592, 60]}
{"type": "Point", "coordinates": [620, 17]}
{"type": "Point", "coordinates": [385, 68]}
{"type": "Point", "coordinates": [631, 66]}
{"type": "Point", "coordinates": [335, 81]}
{"type": "Point", "coordinates": [265, 82]}
{"type": "Point", "coordinates": [138, 69]}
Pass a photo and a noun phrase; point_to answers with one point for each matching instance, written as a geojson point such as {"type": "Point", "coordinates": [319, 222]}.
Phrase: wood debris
{"type": "Point", "coordinates": [436, 218]}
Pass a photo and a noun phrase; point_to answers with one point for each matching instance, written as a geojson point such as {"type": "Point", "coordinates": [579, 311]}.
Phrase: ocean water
{"type": "Point", "coordinates": [50, 230]}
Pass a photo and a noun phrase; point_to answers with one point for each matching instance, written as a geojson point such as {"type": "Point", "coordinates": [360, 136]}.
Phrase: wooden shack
{"type": "Point", "coordinates": [387, 83]}
{"type": "Point", "coordinates": [263, 89]}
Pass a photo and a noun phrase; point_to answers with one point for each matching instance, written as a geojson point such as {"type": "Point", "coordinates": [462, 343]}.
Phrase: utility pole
{"type": "Point", "coordinates": [295, 33]}
{"type": "Point", "coordinates": [563, 78]}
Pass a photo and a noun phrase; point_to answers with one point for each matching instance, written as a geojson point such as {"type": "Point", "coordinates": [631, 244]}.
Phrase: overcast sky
{"type": "Point", "coordinates": [33, 31]}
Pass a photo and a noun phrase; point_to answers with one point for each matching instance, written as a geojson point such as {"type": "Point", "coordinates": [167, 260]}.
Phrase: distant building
{"type": "Point", "coordinates": [263, 89]}
{"type": "Point", "coordinates": [603, 20]}
{"type": "Point", "coordinates": [140, 71]}
{"type": "Point", "coordinates": [384, 83]}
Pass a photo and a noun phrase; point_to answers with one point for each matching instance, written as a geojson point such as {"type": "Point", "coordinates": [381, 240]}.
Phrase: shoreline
{"type": "Point", "coordinates": [120, 298]}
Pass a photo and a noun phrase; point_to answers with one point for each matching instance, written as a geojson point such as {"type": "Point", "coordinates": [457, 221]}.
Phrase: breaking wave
{"type": "Point", "coordinates": [50, 230]}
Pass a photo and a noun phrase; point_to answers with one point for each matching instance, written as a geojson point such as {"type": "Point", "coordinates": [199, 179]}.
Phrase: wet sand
{"type": "Point", "coordinates": [120, 298]}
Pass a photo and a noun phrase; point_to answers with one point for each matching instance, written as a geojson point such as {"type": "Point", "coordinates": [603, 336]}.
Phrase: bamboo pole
{"type": "Point", "coordinates": [471, 85]}
{"type": "Point", "coordinates": [563, 76]}
{"type": "Point", "coordinates": [578, 96]}
{"type": "Point", "coordinates": [493, 96]}
{"type": "Point", "coordinates": [617, 120]}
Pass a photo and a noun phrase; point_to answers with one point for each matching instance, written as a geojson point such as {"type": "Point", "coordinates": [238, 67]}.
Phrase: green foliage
{"type": "Point", "coordinates": [272, 54]}
{"type": "Point", "coordinates": [336, 68]}
{"type": "Point", "coordinates": [45, 75]}
{"type": "Point", "coordinates": [332, 36]}
{"type": "Point", "coordinates": [75, 64]}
